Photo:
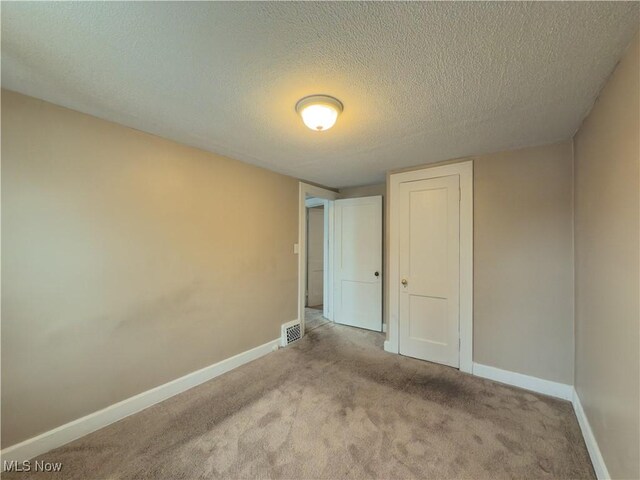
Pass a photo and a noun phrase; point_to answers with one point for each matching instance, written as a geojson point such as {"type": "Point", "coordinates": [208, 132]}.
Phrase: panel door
{"type": "Point", "coordinates": [358, 262]}
{"type": "Point", "coordinates": [429, 283]}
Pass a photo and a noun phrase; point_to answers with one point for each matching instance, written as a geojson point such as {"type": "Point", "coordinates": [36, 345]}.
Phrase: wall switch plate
{"type": "Point", "coordinates": [296, 248]}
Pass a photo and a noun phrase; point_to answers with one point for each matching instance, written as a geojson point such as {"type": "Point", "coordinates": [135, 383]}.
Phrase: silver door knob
{"type": "Point", "coordinates": [404, 282]}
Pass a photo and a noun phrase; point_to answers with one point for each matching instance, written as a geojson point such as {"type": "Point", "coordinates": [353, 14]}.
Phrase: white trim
{"type": "Point", "coordinates": [465, 171]}
{"type": "Point", "coordinates": [389, 347]}
{"type": "Point", "coordinates": [313, 202]}
{"type": "Point", "coordinates": [64, 434]}
{"type": "Point", "coordinates": [327, 286]}
{"type": "Point", "coordinates": [590, 440]}
{"type": "Point", "coordinates": [535, 384]}
{"type": "Point", "coordinates": [304, 190]}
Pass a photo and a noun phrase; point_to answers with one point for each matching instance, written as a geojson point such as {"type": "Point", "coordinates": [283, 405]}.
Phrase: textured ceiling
{"type": "Point", "coordinates": [420, 82]}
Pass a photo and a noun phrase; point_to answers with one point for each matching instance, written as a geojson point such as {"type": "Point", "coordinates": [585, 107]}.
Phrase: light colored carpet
{"type": "Point", "coordinates": [313, 318]}
{"type": "Point", "coordinates": [335, 405]}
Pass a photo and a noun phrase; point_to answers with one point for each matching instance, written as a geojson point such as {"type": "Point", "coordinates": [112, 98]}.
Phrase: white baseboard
{"type": "Point", "coordinates": [589, 438]}
{"type": "Point", "coordinates": [59, 436]}
{"type": "Point", "coordinates": [535, 384]}
{"type": "Point", "coordinates": [389, 348]}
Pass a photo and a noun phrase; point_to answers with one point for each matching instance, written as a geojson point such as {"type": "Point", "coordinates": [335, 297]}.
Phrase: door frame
{"type": "Point", "coordinates": [328, 197]}
{"type": "Point", "coordinates": [465, 172]}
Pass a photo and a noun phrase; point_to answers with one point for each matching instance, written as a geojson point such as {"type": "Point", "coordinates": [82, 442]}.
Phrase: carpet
{"type": "Point", "coordinates": [335, 405]}
{"type": "Point", "coordinates": [313, 318]}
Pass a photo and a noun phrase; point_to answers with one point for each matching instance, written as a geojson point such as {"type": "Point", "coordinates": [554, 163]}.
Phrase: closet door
{"type": "Point", "coordinates": [429, 286]}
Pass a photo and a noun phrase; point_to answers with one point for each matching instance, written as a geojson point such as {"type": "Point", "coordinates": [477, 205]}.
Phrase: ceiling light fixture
{"type": "Point", "coordinates": [319, 112]}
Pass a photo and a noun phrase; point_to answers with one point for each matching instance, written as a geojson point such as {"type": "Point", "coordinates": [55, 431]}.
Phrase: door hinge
{"type": "Point", "coordinates": [459, 194]}
{"type": "Point", "coordinates": [459, 343]}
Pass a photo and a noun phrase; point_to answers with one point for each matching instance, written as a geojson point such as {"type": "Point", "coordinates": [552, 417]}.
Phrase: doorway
{"type": "Point", "coordinates": [315, 207]}
{"type": "Point", "coordinates": [351, 251]}
{"type": "Point", "coordinates": [317, 257]}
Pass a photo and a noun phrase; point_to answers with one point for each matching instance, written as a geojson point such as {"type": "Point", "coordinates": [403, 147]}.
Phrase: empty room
{"type": "Point", "coordinates": [320, 240]}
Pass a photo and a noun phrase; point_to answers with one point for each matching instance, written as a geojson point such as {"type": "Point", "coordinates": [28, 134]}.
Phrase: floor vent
{"type": "Point", "coordinates": [291, 332]}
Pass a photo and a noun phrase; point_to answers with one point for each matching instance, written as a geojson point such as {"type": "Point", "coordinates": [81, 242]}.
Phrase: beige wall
{"type": "Point", "coordinates": [523, 261]}
{"type": "Point", "coordinates": [128, 261]}
{"type": "Point", "coordinates": [366, 191]}
{"type": "Point", "coordinates": [607, 231]}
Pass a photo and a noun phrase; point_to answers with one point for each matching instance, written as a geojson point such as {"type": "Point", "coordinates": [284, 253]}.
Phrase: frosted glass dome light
{"type": "Point", "coordinates": [319, 112]}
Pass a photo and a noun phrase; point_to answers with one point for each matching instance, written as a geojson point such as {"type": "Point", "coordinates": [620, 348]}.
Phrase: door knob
{"type": "Point", "coordinates": [404, 282]}
{"type": "Point", "coordinates": [377, 274]}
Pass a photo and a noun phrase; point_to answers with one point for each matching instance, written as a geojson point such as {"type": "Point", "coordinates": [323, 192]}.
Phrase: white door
{"type": "Point", "coordinates": [429, 228]}
{"type": "Point", "coordinates": [358, 262]}
{"type": "Point", "coordinates": [315, 256]}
